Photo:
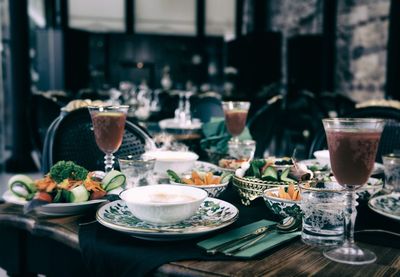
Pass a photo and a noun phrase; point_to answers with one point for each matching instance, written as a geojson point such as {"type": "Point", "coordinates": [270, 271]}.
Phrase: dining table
{"type": "Point", "coordinates": [33, 243]}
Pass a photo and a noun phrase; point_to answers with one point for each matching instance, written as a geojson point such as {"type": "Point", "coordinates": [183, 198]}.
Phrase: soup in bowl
{"type": "Point", "coordinates": [163, 204]}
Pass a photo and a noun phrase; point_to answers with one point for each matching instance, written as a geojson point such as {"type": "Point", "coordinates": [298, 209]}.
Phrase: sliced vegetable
{"type": "Point", "coordinates": [270, 174]}
{"type": "Point", "coordinates": [58, 196]}
{"type": "Point", "coordinates": [226, 177]}
{"type": "Point", "coordinates": [97, 195]}
{"type": "Point", "coordinates": [78, 194]}
{"type": "Point", "coordinates": [44, 196]}
{"type": "Point", "coordinates": [285, 176]}
{"type": "Point", "coordinates": [173, 176]}
{"type": "Point", "coordinates": [113, 180]}
{"type": "Point", "coordinates": [22, 186]}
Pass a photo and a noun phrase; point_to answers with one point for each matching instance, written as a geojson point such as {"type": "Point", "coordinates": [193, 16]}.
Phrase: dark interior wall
{"type": "Point", "coordinates": [118, 55]}
{"type": "Point", "coordinates": [257, 57]}
{"type": "Point", "coordinates": [305, 66]}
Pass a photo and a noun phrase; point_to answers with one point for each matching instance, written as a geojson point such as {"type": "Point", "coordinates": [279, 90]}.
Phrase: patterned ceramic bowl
{"type": "Point", "coordinates": [213, 190]}
{"type": "Point", "coordinates": [279, 206]}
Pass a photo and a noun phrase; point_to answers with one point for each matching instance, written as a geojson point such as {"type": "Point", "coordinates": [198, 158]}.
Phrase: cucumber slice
{"type": "Point", "coordinates": [112, 180]}
{"type": "Point", "coordinates": [226, 177]}
{"type": "Point", "coordinates": [173, 176]}
{"type": "Point", "coordinates": [57, 197]}
{"type": "Point", "coordinates": [22, 186]}
{"type": "Point", "coordinates": [284, 176]}
{"type": "Point", "coordinates": [78, 194]}
{"type": "Point", "coordinates": [270, 174]}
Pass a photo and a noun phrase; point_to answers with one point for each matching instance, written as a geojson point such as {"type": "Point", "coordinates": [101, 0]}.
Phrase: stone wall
{"type": "Point", "coordinates": [362, 33]}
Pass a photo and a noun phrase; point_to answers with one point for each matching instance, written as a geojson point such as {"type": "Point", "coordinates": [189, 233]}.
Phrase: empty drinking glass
{"type": "Point", "coordinates": [391, 163]}
{"type": "Point", "coordinates": [138, 172]}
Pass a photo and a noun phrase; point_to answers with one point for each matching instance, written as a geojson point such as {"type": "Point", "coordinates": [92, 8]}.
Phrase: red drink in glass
{"type": "Point", "coordinates": [108, 125]}
{"type": "Point", "coordinates": [352, 143]}
{"type": "Point", "coordinates": [235, 121]}
{"type": "Point", "coordinates": [109, 130]}
{"type": "Point", "coordinates": [352, 155]}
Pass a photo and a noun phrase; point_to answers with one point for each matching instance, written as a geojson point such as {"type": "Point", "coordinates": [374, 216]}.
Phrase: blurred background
{"type": "Point", "coordinates": [320, 57]}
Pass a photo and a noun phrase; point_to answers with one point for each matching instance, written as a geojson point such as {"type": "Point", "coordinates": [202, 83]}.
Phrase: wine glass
{"type": "Point", "coordinates": [352, 143]}
{"type": "Point", "coordinates": [235, 117]}
{"type": "Point", "coordinates": [108, 125]}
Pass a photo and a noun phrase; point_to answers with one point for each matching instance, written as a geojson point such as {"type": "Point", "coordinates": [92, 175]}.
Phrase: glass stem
{"type": "Point", "coordinates": [109, 162]}
{"type": "Point", "coordinates": [235, 139]}
{"type": "Point", "coordinates": [350, 213]}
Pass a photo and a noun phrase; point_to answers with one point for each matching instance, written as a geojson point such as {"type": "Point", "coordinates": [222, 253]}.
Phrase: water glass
{"type": "Point", "coordinates": [242, 150]}
{"type": "Point", "coordinates": [323, 213]}
{"type": "Point", "coordinates": [391, 164]}
{"type": "Point", "coordinates": [138, 172]}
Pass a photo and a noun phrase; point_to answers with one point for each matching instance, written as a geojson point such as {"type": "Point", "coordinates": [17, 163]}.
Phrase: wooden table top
{"type": "Point", "coordinates": [294, 259]}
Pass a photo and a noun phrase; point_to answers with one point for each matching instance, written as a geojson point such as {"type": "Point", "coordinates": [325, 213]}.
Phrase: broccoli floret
{"type": "Point", "coordinates": [63, 170]}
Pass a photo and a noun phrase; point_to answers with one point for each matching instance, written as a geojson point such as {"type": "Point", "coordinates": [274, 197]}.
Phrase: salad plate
{"type": "Point", "coordinates": [55, 209]}
{"type": "Point", "coordinates": [212, 215]}
{"type": "Point", "coordinates": [386, 205]}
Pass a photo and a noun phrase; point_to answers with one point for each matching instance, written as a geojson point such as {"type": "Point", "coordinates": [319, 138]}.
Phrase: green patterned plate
{"type": "Point", "coordinates": [213, 214]}
{"type": "Point", "coordinates": [387, 205]}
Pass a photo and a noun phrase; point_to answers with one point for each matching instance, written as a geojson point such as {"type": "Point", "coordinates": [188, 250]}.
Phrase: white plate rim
{"type": "Point", "coordinates": [53, 208]}
{"type": "Point", "coordinates": [379, 211]}
{"type": "Point", "coordinates": [378, 167]}
{"type": "Point", "coordinates": [156, 233]}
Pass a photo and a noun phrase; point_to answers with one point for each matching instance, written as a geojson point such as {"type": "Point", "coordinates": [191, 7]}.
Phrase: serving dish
{"type": "Point", "coordinates": [213, 190]}
{"type": "Point", "coordinates": [251, 188]}
{"type": "Point", "coordinates": [56, 209]}
{"type": "Point", "coordinates": [280, 206]}
{"type": "Point", "coordinates": [325, 168]}
{"type": "Point", "coordinates": [178, 161]}
{"type": "Point", "coordinates": [213, 214]}
{"type": "Point", "coordinates": [386, 205]}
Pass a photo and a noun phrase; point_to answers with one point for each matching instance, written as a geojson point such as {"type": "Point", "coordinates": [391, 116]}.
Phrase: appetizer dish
{"type": "Point", "coordinates": [230, 163]}
{"type": "Point", "coordinates": [66, 182]}
{"type": "Point", "coordinates": [211, 182]}
{"type": "Point", "coordinates": [283, 201]}
{"type": "Point", "coordinates": [288, 193]}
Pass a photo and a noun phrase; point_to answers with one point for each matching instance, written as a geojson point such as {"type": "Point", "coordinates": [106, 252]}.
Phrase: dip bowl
{"type": "Point", "coordinates": [178, 161]}
{"type": "Point", "coordinates": [163, 204]}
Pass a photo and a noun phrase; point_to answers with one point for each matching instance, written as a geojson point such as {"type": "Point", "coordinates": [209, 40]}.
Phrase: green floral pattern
{"type": "Point", "coordinates": [212, 213]}
{"type": "Point", "coordinates": [388, 205]}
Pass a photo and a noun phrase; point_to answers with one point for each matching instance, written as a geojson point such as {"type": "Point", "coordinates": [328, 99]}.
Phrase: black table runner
{"type": "Point", "coordinates": [110, 253]}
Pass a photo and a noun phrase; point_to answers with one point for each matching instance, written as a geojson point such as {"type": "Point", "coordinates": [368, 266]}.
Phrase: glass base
{"type": "Point", "coordinates": [350, 254]}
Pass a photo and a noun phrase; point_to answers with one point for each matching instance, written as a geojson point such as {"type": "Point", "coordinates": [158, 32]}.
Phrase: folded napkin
{"type": "Point", "coordinates": [216, 136]}
{"type": "Point", "coordinates": [271, 240]}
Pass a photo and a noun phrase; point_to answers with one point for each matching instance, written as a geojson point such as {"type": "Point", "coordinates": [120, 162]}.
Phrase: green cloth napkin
{"type": "Point", "coordinates": [216, 136]}
{"type": "Point", "coordinates": [269, 241]}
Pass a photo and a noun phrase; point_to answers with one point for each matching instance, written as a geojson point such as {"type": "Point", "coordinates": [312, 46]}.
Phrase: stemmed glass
{"type": "Point", "coordinates": [235, 117]}
{"type": "Point", "coordinates": [352, 143]}
{"type": "Point", "coordinates": [109, 126]}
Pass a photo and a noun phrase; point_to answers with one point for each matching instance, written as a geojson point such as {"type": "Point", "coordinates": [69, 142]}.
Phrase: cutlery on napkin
{"type": "Point", "coordinates": [252, 245]}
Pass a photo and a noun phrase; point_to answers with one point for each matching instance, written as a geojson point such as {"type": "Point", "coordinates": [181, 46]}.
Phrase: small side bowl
{"type": "Point", "coordinates": [178, 161]}
{"type": "Point", "coordinates": [322, 157]}
{"type": "Point", "coordinates": [163, 204]}
{"type": "Point", "coordinates": [213, 190]}
{"type": "Point", "coordinates": [279, 206]}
